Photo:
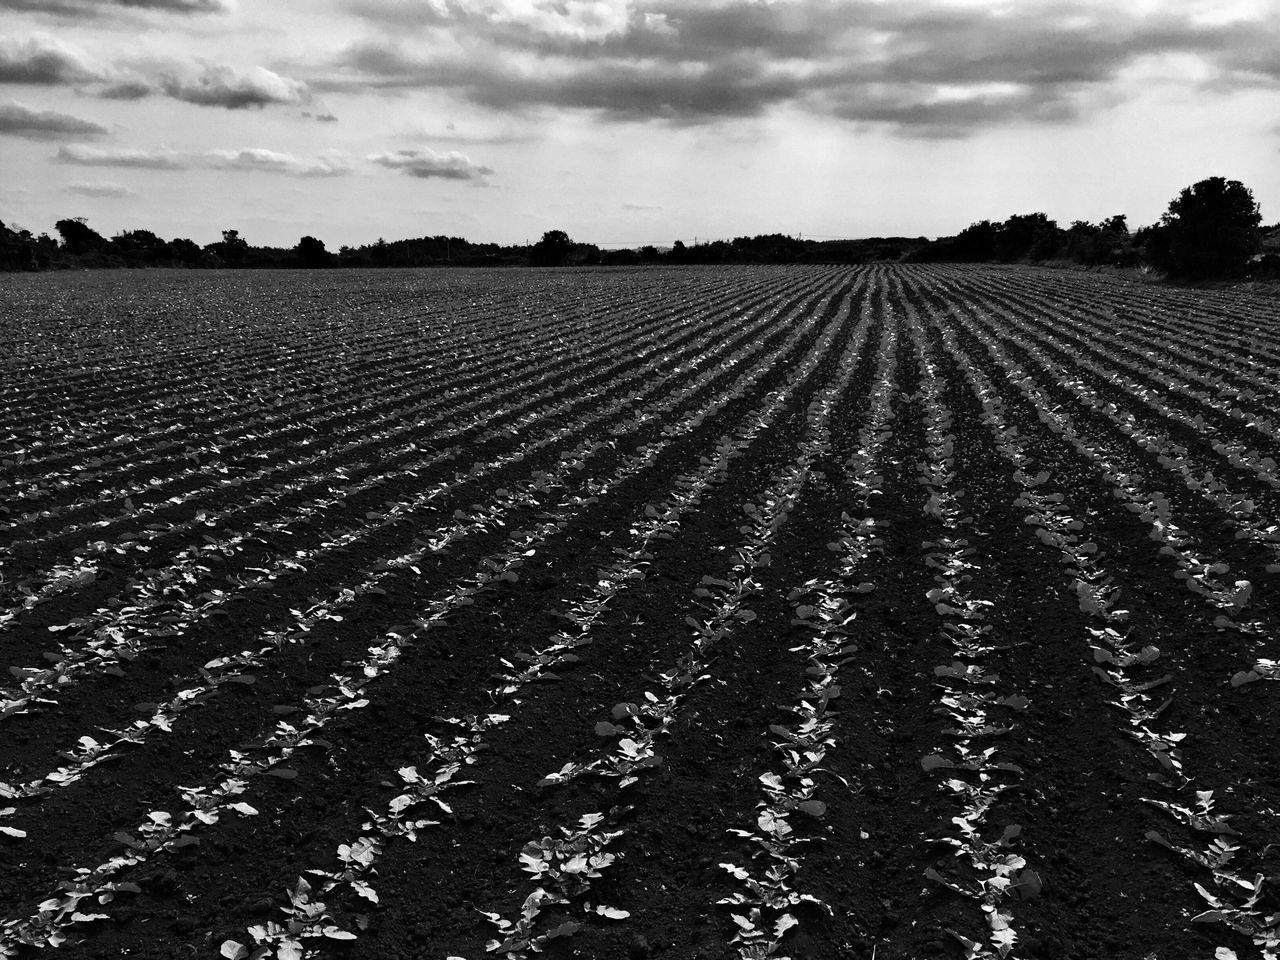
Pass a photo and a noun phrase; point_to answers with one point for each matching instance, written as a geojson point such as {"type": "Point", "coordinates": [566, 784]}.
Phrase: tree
{"type": "Point", "coordinates": [1117, 225]}
{"type": "Point", "coordinates": [233, 248]}
{"type": "Point", "coordinates": [311, 253]}
{"type": "Point", "coordinates": [976, 242]}
{"type": "Point", "coordinates": [552, 250]}
{"type": "Point", "coordinates": [186, 251]}
{"type": "Point", "coordinates": [141, 248]}
{"type": "Point", "coordinates": [1210, 230]}
{"type": "Point", "coordinates": [78, 237]}
{"type": "Point", "coordinates": [1029, 235]}
{"type": "Point", "coordinates": [17, 250]}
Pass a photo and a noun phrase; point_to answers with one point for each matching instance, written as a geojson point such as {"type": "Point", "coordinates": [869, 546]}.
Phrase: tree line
{"type": "Point", "coordinates": [1211, 229]}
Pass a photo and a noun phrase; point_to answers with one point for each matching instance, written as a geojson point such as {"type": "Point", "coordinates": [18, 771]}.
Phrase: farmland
{"type": "Point", "coordinates": [810, 612]}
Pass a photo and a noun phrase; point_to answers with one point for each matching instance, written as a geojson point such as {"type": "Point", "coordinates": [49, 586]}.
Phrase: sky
{"type": "Point", "coordinates": [626, 122]}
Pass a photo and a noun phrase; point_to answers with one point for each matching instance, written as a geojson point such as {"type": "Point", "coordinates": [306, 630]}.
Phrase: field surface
{"type": "Point", "coordinates": [815, 612]}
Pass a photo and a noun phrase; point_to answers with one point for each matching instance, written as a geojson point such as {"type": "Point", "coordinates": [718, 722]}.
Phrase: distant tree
{"type": "Point", "coordinates": [142, 248]}
{"type": "Point", "coordinates": [679, 253]}
{"type": "Point", "coordinates": [1117, 225]}
{"type": "Point", "coordinates": [552, 250]}
{"type": "Point", "coordinates": [584, 255]}
{"type": "Point", "coordinates": [976, 242]}
{"type": "Point", "coordinates": [621, 258]}
{"type": "Point", "coordinates": [311, 253]}
{"type": "Point", "coordinates": [187, 252]}
{"type": "Point", "coordinates": [18, 250]}
{"type": "Point", "coordinates": [1095, 244]}
{"type": "Point", "coordinates": [78, 238]}
{"type": "Point", "coordinates": [1209, 230]}
{"type": "Point", "coordinates": [1084, 243]}
{"type": "Point", "coordinates": [1028, 236]}
{"type": "Point", "coordinates": [233, 250]}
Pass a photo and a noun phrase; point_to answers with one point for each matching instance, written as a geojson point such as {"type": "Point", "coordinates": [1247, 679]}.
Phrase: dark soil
{"type": "Point", "coordinates": [351, 371]}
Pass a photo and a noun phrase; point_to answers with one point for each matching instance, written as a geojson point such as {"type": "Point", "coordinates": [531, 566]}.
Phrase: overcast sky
{"type": "Point", "coordinates": [626, 121]}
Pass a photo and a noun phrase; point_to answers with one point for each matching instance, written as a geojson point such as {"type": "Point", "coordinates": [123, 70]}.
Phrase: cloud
{"type": "Point", "coordinates": [320, 117]}
{"type": "Point", "coordinates": [19, 121]}
{"type": "Point", "coordinates": [156, 158]}
{"type": "Point", "coordinates": [219, 85]}
{"type": "Point", "coordinates": [127, 90]}
{"type": "Point", "coordinates": [244, 159]}
{"type": "Point", "coordinates": [471, 136]}
{"type": "Point", "coordinates": [208, 85]}
{"type": "Point", "coordinates": [81, 8]}
{"type": "Point", "coordinates": [102, 190]}
{"type": "Point", "coordinates": [641, 207]}
{"type": "Point", "coordinates": [256, 158]}
{"type": "Point", "coordinates": [42, 59]}
{"type": "Point", "coordinates": [928, 68]}
{"type": "Point", "coordinates": [427, 164]}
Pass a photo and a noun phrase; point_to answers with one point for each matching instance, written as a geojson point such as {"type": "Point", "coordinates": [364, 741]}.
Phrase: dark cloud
{"type": "Point", "coordinates": [17, 120]}
{"type": "Point", "coordinates": [102, 190]}
{"type": "Point", "coordinates": [427, 164]}
{"type": "Point", "coordinates": [127, 90]}
{"type": "Point", "coordinates": [42, 60]}
{"type": "Point", "coordinates": [618, 88]}
{"type": "Point", "coordinates": [931, 68]}
{"type": "Point", "coordinates": [82, 8]}
{"type": "Point", "coordinates": [484, 139]}
{"type": "Point", "coordinates": [179, 6]}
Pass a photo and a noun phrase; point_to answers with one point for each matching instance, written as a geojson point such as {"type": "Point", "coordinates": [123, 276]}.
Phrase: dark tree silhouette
{"type": "Point", "coordinates": [186, 251]}
{"type": "Point", "coordinates": [78, 238]}
{"type": "Point", "coordinates": [311, 253]}
{"type": "Point", "coordinates": [1095, 244]}
{"type": "Point", "coordinates": [1026, 236]}
{"type": "Point", "coordinates": [1210, 230]}
{"type": "Point", "coordinates": [19, 250]}
{"type": "Point", "coordinates": [232, 250]}
{"type": "Point", "coordinates": [552, 250]}
{"type": "Point", "coordinates": [142, 248]}
{"type": "Point", "coordinates": [977, 241]}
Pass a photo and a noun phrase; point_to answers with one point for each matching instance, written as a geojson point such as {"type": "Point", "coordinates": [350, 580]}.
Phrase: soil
{"type": "Point", "coordinates": [351, 368]}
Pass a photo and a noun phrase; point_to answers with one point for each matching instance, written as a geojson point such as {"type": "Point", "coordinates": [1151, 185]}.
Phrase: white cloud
{"type": "Point", "coordinates": [257, 158]}
{"type": "Point", "coordinates": [155, 158]}
{"type": "Point", "coordinates": [326, 164]}
{"type": "Point", "coordinates": [101, 189]}
{"type": "Point", "coordinates": [221, 85]}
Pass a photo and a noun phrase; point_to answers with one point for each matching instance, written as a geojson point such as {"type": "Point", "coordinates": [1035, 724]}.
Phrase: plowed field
{"type": "Point", "coordinates": [811, 612]}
